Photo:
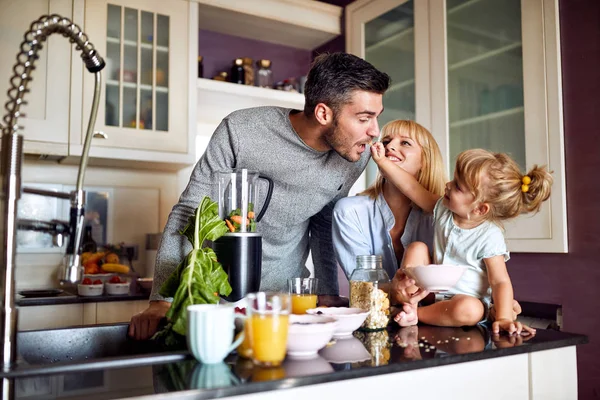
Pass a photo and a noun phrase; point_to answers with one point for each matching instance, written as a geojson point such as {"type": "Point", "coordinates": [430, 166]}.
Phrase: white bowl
{"type": "Point", "coordinates": [307, 334]}
{"type": "Point", "coordinates": [346, 350]}
{"type": "Point", "coordinates": [145, 283]}
{"type": "Point", "coordinates": [306, 367]}
{"type": "Point", "coordinates": [436, 278]}
{"type": "Point", "coordinates": [349, 319]}
{"type": "Point", "coordinates": [103, 277]}
{"type": "Point", "coordinates": [90, 290]}
{"type": "Point", "coordinates": [117, 288]}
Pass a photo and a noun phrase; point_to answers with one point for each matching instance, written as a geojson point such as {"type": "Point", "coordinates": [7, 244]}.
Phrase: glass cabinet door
{"type": "Point", "coordinates": [390, 47]}
{"type": "Point", "coordinates": [485, 77]}
{"type": "Point", "coordinates": [146, 82]}
{"type": "Point", "coordinates": [137, 57]}
{"type": "Point", "coordinates": [389, 44]}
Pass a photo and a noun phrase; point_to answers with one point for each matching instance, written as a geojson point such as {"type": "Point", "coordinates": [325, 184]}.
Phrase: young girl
{"type": "Point", "coordinates": [488, 188]}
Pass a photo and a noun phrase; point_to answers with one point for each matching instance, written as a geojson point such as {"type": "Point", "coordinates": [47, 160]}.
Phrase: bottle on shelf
{"type": "Point", "coordinates": [238, 73]}
{"type": "Point", "coordinates": [88, 244]}
{"type": "Point", "coordinates": [249, 71]}
{"type": "Point", "coordinates": [200, 67]}
{"type": "Point", "coordinates": [264, 75]}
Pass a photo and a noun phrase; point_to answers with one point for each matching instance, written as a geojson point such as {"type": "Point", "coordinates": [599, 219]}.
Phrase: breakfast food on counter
{"type": "Point", "coordinates": [101, 262]}
{"type": "Point", "coordinates": [369, 297]}
{"type": "Point", "coordinates": [118, 268]}
{"type": "Point", "coordinates": [88, 281]}
{"type": "Point", "coordinates": [377, 344]}
{"type": "Point", "coordinates": [234, 220]}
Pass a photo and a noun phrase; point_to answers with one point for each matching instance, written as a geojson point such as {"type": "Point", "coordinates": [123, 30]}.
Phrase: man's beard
{"type": "Point", "coordinates": [335, 139]}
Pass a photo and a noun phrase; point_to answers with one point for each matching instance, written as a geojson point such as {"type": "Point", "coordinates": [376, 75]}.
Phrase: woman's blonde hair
{"type": "Point", "coordinates": [496, 179]}
{"type": "Point", "coordinates": [432, 175]}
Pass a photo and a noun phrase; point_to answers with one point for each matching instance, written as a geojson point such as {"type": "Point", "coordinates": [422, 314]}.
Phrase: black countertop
{"type": "Point", "coordinates": [363, 355]}
{"type": "Point", "coordinates": [71, 297]}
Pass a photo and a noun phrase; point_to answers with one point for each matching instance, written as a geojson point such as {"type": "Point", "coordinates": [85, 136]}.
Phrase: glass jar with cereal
{"type": "Point", "coordinates": [369, 290]}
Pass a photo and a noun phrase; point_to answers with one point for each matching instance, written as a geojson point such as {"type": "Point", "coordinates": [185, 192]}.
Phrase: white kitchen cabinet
{"type": "Point", "coordinates": [118, 311]}
{"type": "Point", "coordinates": [296, 23]}
{"type": "Point", "coordinates": [477, 73]}
{"type": "Point", "coordinates": [66, 315]}
{"type": "Point", "coordinates": [144, 112]}
{"type": "Point", "coordinates": [46, 125]}
{"type": "Point", "coordinates": [51, 316]}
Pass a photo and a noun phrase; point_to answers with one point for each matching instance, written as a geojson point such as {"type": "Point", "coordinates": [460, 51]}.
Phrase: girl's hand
{"type": "Point", "coordinates": [377, 152]}
{"type": "Point", "coordinates": [404, 291]}
{"type": "Point", "coordinates": [511, 327]}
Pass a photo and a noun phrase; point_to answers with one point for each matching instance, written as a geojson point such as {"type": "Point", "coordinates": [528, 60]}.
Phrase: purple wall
{"type": "Point", "coordinates": [219, 51]}
{"type": "Point", "coordinates": [573, 279]}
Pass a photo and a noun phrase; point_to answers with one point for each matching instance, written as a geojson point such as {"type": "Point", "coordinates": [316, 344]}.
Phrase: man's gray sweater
{"type": "Point", "coordinates": [307, 183]}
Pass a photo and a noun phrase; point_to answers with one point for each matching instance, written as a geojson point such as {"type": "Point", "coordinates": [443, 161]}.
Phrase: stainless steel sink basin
{"type": "Point", "coordinates": [85, 348]}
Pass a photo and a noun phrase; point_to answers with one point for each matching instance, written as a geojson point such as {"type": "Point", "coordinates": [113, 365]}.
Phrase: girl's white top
{"type": "Point", "coordinates": [458, 246]}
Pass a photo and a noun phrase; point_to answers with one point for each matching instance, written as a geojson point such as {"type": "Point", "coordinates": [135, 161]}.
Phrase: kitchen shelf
{"type": "Point", "coordinates": [488, 117]}
{"type": "Point", "coordinates": [389, 40]}
{"type": "Point", "coordinates": [217, 99]}
{"type": "Point", "coordinates": [401, 85]}
{"type": "Point", "coordinates": [484, 56]}
{"type": "Point", "coordinates": [399, 35]}
{"type": "Point", "coordinates": [304, 24]}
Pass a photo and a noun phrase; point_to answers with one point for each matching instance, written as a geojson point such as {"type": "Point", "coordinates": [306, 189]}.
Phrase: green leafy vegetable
{"type": "Point", "coordinates": [199, 278]}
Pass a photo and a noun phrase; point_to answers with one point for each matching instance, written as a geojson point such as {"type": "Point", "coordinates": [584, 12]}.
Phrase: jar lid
{"type": "Point", "coordinates": [264, 63]}
{"type": "Point", "coordinates": [200, 58]}
{"type": "Point", "coordinates": [238, 61]}
{"type": "Point", "coordinates": [369, 261]}
{"type": "Point", "coordinates": [247, 60]}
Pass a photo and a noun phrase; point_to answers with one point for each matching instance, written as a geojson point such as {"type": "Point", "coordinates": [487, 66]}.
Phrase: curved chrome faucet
{"type": "Point", "coordinates": [11, 161]}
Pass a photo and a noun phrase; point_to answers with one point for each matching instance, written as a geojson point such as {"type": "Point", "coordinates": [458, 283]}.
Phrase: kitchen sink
{"type": "Point", "coordinates": [85, 348]}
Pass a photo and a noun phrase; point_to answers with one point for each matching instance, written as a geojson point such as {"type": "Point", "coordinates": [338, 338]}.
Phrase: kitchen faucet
{"type": "Point", "coordinates": [10, 172]}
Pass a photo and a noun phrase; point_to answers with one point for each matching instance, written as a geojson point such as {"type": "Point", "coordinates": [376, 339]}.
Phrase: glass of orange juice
{"type": "Point", "coordinates": [304, 294]}
{"type": "Point", "coordinates": [268, 319]}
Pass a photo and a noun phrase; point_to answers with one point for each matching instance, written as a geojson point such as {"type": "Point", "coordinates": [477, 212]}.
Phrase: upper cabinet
{"type": "Point", "coordinates": [477, 73]}
{"type": "Point", "coordinates": [146, 116]}
{"type": "Point", "coordinates": [305, 24]}
{"type": "Point", "coordinates": [144, 106]}
{"type": "Point", "coordinates": [46, 121]}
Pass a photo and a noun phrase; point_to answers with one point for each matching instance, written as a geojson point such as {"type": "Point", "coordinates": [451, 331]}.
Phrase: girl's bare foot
{"type": "Point", "coordinates": [408, 315]}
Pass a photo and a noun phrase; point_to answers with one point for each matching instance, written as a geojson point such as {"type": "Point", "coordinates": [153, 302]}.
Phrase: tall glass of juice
{"type": "Point", "coordinates": [268, 319]}
{"type": "Point", "coordinates": [303, 292]}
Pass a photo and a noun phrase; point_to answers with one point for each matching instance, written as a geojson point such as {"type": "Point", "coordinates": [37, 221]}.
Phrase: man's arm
{"type": "Point", "coordinates": [220, 155]}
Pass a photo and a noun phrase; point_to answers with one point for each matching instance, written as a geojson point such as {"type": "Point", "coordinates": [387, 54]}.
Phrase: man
{"type": "Point", "coordinates": [313, 157]}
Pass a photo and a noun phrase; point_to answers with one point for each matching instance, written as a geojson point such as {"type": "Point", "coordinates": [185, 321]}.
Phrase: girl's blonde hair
{"type": "Point", "coordinates": [432, 175]}
{"type": "Point", "coordinates": [496, 179]}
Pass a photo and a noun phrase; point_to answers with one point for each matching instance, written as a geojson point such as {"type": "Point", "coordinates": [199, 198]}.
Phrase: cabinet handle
{"type": "Point", "coordinates": [100, 135]}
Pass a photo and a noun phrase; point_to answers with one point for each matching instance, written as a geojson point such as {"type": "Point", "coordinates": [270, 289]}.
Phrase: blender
{"type": "Point", "coordinates": [240, 250]}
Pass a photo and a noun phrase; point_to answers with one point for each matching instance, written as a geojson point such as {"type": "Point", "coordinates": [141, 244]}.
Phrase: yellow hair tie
{"type": "Point", "coordinates": [525, 186]}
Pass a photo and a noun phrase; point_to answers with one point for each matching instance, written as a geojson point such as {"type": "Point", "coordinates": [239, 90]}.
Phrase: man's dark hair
{"type": "Point", "coordinates": [334, 77]}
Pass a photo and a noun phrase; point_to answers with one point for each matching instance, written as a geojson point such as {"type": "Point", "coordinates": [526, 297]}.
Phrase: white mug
{"type": "Point", "coordinates": [212, 376]}
{"type": "Point", "coordinates": [210, 332]}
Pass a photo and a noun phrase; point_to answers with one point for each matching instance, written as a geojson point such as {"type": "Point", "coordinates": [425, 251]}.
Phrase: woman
{"type": "Point", "coordinates": [381, 220]}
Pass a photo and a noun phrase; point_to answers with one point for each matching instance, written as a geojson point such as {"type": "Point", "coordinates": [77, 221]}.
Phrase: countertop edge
{"type": "Point", "coordinates": [75, 299]}
{"type": "Point", "coordinates": [288, 383]}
